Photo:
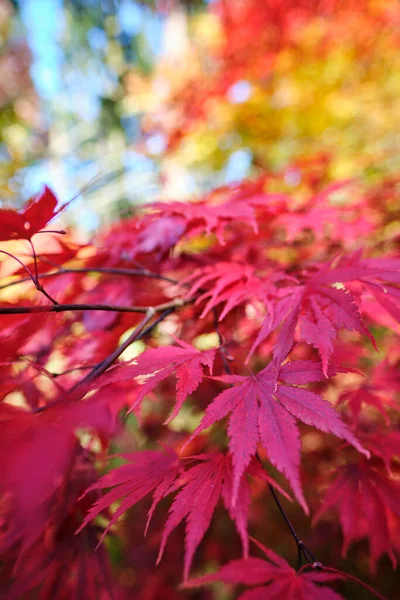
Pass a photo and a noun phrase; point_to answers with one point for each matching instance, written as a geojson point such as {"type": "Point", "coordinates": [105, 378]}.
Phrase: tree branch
{"type": "Point", "coordinates": [105, 364]}
{"type": "Point", "coordinates": [105, 270]}
{"type": "Point", "coordinates": [139, 332]}
{"type": "Point", "coordinates": [20, 310]}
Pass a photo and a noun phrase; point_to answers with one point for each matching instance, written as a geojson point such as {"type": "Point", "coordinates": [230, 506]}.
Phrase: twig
{"type": "Point", "coordinates": [140, 331]}
{"type": "Point", "coordinates": [301, 548]}
{"type": "Point", "coordinates": [105, 364]}
{"type": "Point", "coordinates": [38, 285]}
{"type": "Point", "coordinates": [221, 340]}
{"type": "Point", "coordinates": [31, 276]}
{"type": "Point", "coordinates": [20, 310]}
{"type": "Point", "coordinates": [83, 368]}
{"type": "Point", "coordinates": [348, 576]}
{"type": "Point", "coordinates": [105, 270]}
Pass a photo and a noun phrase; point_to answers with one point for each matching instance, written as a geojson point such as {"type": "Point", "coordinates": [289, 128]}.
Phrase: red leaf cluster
{"type": "Point", "coordinates": [101, 343]}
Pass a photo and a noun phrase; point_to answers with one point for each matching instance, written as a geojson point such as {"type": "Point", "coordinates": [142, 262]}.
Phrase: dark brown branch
{"type": "Point", "coordinates": [221, 348]}
{"type": "Point", "coordinates": [20, 310]}
{"type": "Point", "coordinates": [104, 270]}
{"type": "Point", "coordinates": [140, 331]}
{"type": "Point", "coordinates": [38, 285]}
{"type": "Point", "coordinates": [105, 364]}
{"type": "Point", "coordinates": [302, 550]}
{"type": "Point", "coordinates": [83, 368]}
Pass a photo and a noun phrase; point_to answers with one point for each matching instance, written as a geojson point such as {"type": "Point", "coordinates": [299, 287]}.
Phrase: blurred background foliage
{"type": "Point", "coordinates": [169, 99]}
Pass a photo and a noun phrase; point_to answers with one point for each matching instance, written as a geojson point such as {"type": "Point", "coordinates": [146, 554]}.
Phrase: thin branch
{"type": "Point", "coordinates": [156, 322]}
{"type": "Point", "coordinates": [115, 271]}
{"type": "Point", "coordinates": [45, 372]}
{"type": "Point", "coordinates": [138, 335]}
{"type": "Point", "coordinates": [302, 549]}
{"type": "Point", "coordinates": [57, 308]}
{"type": "Point", "coordinates": [353, 578]}
{"type": "Point", "coordinates": [140, 331]}
{"type": "Point", "coordinates": [83, 368]}
{"type": "Point", "coordinates": [31, 276]}
{"type": "Point", "coordinates": [221, 340]}
{"type": "Point", "coordinates": [34, 260]}
{"type": "Point", "coordinates": [105, 270]}
{"type": "Point", "coordinates": [105, 364]}
{"type": "Point", "coordinates": [38, 285]}
{"type": "Point", "coordinates": [59, 231]}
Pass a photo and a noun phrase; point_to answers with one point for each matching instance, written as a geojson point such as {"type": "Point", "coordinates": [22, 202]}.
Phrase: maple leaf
{"type": "Point", "coordinates": [377, 275]}
{"type": "Point", "coordinates": [185, 361]}
{"type": "Point", "coordinates": [261, 410]}
{"type": "Point", "coordinates": [279, 578]}
{"type": "Point", "coordinates": [151, 233]}
{"type": "Point", "coordinates": [383, 444]}
{"type": "Point", "coordinates": [202, 486]}
{"type": "Point", "coordinates": [44, 566]}
{"type": "Point", "coordinates": [159, 233]}
{"type": "Point", "coordinates": [38, 451]}
{"type": "Point", "coordinates": [364, 495]}
{"type": "Point", "coordinates": [367, 395]}
{"type": "Point", "coordinates": [39, 211]}
{"type": "Point", "coordinates": [319, 309]}
{"type": "Point", "coordinates": [16, 329]}
{"type": "Point", "coordinates": [213, 217]}
{"type": "Point", "coordinates": [147, 471]}
{"type": "Point", "coordinates": [232, 283]}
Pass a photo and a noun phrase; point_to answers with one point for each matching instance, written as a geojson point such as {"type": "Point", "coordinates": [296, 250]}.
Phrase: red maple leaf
{"type": "Point", "coordinates": [185, 361]}
{"type": "Point", "coordinates": [382, 443]}
{"type": "Point", "coordinates": [364, 496]}
{"type": "Point", "coordinates": [202, 486]}
{"type": "Point", "coordinates": [367, 395]}
{"type": "Point", "coordinates": [211, 217]}
{"type": "Point", "coordinates": [39, 211]}
{"type": "Point", "coordinates": [37, 452]}
{"type": "Point", "coordinates": [147, 471]}
{"type": "Point", "coordinates": [231, 284]}
{"type": "Point", "coordinates": [319, 309]}
{"type": "Point", "coordinates": [44, 566]}
{"type": "Point", "coordinates": [15, 330]}
{"type": "Point", "coordinates": [279, 581]}
{"type": "Point", "coordinates": [263, 411]}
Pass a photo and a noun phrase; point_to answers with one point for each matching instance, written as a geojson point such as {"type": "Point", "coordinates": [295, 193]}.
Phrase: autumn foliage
{"type": "Point", "coordinates": [234, 352]}
{"type": "Point", "coordinates": [202, 402]}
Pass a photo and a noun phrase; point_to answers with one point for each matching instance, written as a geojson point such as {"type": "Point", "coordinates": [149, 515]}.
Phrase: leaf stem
{"type": "Point", "coordinates": [353, 578]}
{"type": "Point", "coordinates": [301, 548]}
